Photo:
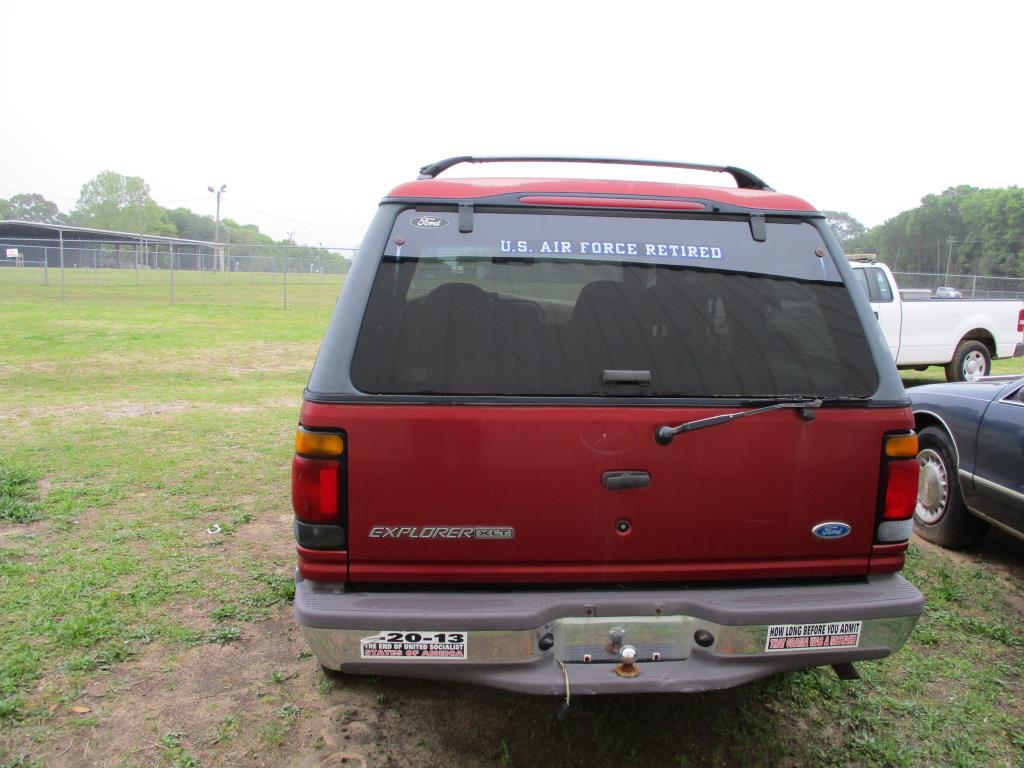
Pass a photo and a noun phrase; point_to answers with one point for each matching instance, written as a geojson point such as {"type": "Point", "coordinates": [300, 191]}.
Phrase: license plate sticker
{"type": "Point", "coordinates": [415, 644]}
{"type": "Point", "coordinates": [810, 637]}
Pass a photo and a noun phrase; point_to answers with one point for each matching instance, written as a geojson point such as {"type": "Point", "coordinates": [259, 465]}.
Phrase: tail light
{"type": "Point", "coordinates": [320, 502]}
{"type": "Point", "coordinates": [317, 477]}
{"type": "Point", "coordinates": [1020, 321]}
{"type": "Point", "coordinates": [899, 488]}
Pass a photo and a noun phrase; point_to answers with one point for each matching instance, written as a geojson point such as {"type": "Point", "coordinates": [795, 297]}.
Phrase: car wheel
{"type": "Point", "coordinates": [971, 361]}
{"type": "Point", "coordinates": [940, 515]}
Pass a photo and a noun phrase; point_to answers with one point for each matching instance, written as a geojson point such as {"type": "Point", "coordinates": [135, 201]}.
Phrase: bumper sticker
{"type": "Point", "coordinates": [805, 637]}
{"type": "Point", "coordinates": [421, 644]}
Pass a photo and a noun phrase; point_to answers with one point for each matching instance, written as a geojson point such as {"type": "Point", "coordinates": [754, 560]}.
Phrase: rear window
{"type": "Point", "coordinates": [547, 305]}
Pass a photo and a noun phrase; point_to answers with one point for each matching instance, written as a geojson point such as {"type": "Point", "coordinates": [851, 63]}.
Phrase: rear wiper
{"type": "Point", "coordinates": [665, 434]}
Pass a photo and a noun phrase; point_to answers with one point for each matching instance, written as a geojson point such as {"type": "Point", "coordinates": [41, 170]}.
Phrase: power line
{"type": "Point", "coordinates": [55, 197]}
{"type": "Point", "coordinates": [75, 197]}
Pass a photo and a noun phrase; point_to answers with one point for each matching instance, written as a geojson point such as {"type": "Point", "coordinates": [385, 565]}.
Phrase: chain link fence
{"type": "Point", "coordinates": [190, 272]}
{"type": "Point", "coordinates": [181, 272]}
{"type": "Point", "coordinates": [962, 286]}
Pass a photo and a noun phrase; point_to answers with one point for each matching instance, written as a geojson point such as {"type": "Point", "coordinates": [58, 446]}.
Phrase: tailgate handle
{"type": "Point", "coordinates": [623, 481]}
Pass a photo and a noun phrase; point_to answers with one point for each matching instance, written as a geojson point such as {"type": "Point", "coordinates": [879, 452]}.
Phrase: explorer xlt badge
{"type": "Point", "coordinates": [439, 532]}
{"type": "Point", "coordinates": [549, 355]}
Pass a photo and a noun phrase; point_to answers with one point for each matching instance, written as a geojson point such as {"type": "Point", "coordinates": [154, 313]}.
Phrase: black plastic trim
{"type": "Point", "coordinates": [319, 536]}
{"type": "Point", "coordinates": [465, 217]}
{"type": "Point", "coordinates": [757, 227]}
{"type": "Point", "coordinates": [744, 179]}
{"type": "Point", "coordinates": [592, 402]}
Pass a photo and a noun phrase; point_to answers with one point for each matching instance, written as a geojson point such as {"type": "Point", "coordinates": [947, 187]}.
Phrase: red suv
{"type": "Point", "coordinates": [586, 436]}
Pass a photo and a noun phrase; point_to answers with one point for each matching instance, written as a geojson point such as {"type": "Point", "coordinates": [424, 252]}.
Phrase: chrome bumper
{"type": "Point", "coordinates": [699, 649]}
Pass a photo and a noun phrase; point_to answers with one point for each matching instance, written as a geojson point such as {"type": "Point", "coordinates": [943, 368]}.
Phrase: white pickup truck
{"type": "Point", "coordinates": [964, 335]}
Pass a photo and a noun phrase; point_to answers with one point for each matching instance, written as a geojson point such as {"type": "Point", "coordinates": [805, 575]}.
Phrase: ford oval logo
{"type": "Point", "coordinates": [429, 222]}
{"type": "Point", "coordinates": [830, 530]}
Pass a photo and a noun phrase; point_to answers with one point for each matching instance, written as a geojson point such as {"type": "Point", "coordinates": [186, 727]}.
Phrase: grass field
{"type": "Point", "coordinates": [145, 580]}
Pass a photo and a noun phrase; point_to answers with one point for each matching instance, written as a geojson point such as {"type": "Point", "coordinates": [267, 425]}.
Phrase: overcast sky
{"type": "Point", "coordinates": [311, 112]}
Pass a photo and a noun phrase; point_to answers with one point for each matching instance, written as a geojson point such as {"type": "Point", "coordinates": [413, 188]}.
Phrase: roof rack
{"type": "Point", "coordinates": [868, 258]}
{"type": "Point", "coordinates": [744, 179]}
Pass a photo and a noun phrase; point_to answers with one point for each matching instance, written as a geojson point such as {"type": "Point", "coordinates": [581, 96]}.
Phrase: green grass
{"type": "Point", "coordinates": [133, 427]}
{"type": "Point", "coordinates": [17, 496]}
{"type": "Point", "coordinates": [937, 373]}
{"type": "Point", "coordinates": [153, 286]}
{"type": "Point", "coordinates": [130, 429]}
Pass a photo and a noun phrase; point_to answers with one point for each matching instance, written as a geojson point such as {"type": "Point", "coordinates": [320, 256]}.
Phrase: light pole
{"type": "Point", "coordinates": [216, 227]}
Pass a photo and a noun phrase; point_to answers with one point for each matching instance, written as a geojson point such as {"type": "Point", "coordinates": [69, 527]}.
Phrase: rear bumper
{"type": "Point", "coordinates": [542, 642]}
{"type": "Point", "coordinates": [1018, 351]}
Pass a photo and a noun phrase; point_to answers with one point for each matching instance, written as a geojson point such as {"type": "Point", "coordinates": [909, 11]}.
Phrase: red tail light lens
{"type": "Point", "coordinates": [1020, 321]}
{"type": "Point", "coordinates": [900, 489]}
{"type": "Point", "coordinates": [315, 490]}
{"type": "Point", "coordinates": [613, 202]}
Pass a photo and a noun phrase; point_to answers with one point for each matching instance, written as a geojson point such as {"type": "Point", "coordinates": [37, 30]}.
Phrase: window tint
{"type": "Point", "coordinates": [467, 324]}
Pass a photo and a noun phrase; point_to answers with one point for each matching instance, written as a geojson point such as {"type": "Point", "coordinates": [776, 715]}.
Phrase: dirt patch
{"type": "Point", "coordinates": [254, 702]}
{"type": "Point", "coordinates": [260, 356]}
{"type": "Point", "coordinates": [120, 409]}
{"type": "Point", "coordinates": [13, 535]}
{"type": "Point", "coordinates": [261, 701]}
{"type": "Point", "coordinates": [37, 366]}
{"type": "Point", "coordinates": [280, 402]}
{"type": "Point", "coordinates": [1001, 553]}
{"type": "Point", "coordinates": [249, 358]}
{"type": "Point", "coordinates": [107, 410]}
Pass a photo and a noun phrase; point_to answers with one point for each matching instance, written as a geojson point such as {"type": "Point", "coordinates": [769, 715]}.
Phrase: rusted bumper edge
{"type": "Point", "coordinates": [570, 641]}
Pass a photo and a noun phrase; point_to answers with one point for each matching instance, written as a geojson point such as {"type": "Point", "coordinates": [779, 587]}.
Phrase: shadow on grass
{"type": "Point", "coordinates": [997, 548]}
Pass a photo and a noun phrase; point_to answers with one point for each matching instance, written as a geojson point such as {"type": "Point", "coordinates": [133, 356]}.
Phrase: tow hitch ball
{"type": "Point", "coordinates": [628, 667]}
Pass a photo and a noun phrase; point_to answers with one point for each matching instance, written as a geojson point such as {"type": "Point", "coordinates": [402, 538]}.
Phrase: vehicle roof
{"type": "Point", "coordinates": [985, 389]}
{"type": "Point", "coordinates": [477, 188]}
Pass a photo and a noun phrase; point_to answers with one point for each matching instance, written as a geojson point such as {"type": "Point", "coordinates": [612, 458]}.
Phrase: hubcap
{"type": "Point", "coordinates": [974, 366]}
{"type": "Point", "coordinates": [932, 487]}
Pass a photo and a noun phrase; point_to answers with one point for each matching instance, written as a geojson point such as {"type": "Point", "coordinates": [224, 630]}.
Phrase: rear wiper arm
{"type": "Point", "coordinates": [665, 434]}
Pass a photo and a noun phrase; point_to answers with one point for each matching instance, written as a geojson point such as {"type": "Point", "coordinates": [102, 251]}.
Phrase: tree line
{"type": "Point", "coordinates": [121, 203]}
{"type": "Point", "coordinates": [964, 230]}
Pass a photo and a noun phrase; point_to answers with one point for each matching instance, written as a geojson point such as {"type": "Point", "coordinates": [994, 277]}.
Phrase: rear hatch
{"type": "Point", "coordinates": [507, 385]}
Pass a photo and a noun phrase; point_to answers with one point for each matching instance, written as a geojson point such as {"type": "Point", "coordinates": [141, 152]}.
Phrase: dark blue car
{"type": "Point", "coordinates": [971, 453]}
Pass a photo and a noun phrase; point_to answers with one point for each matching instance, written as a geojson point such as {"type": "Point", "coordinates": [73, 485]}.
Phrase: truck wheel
{"type": "Point", "coordinates": [971, 361]}
{"type": "Point", "coordinates": [940, 515]}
